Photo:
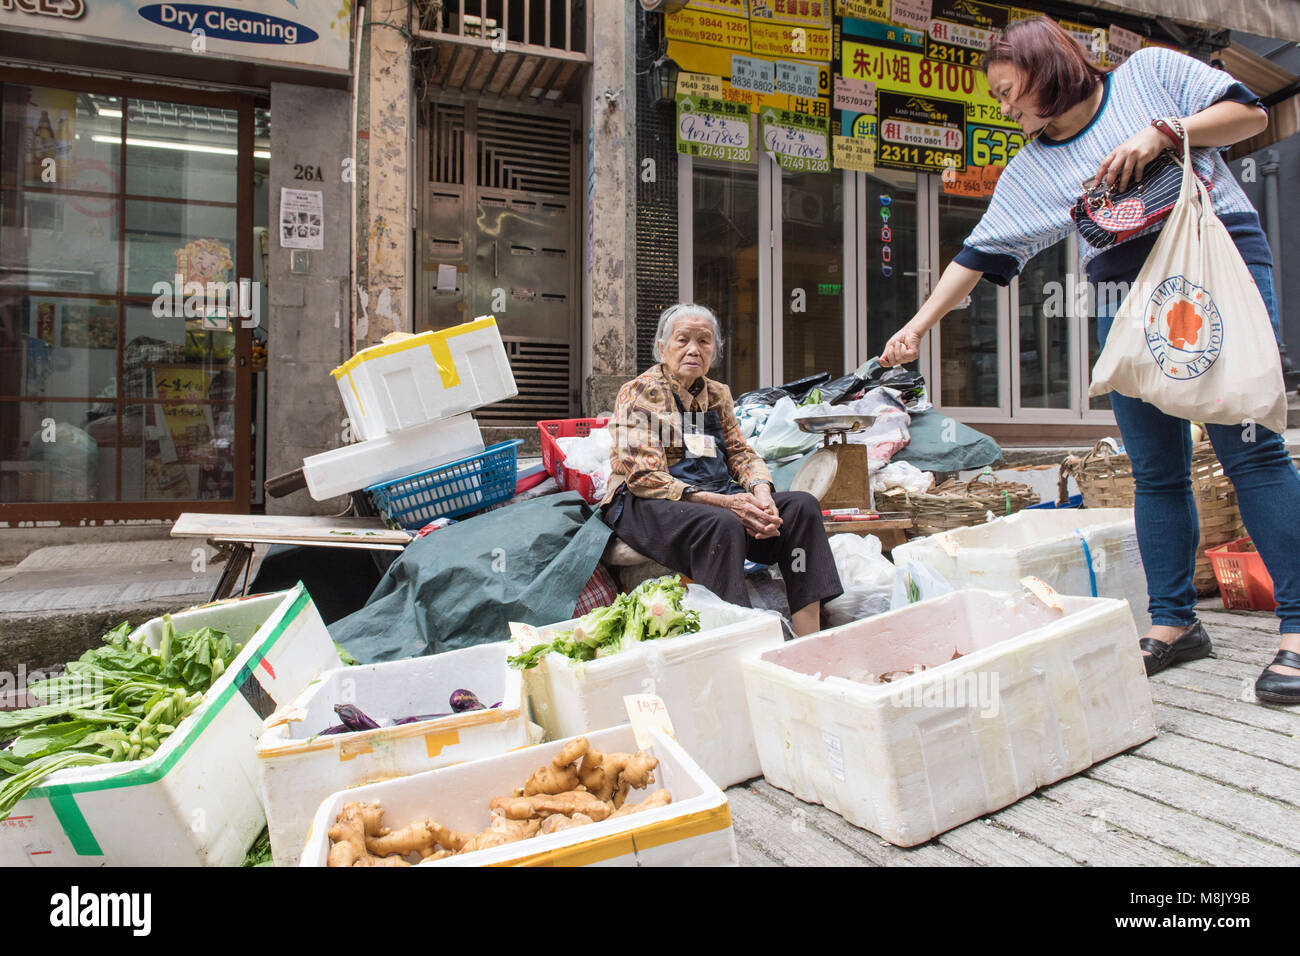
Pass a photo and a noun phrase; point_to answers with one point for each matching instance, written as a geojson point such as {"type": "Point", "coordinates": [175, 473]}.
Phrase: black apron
{"type": "Point", "coordinates": [702, 472]}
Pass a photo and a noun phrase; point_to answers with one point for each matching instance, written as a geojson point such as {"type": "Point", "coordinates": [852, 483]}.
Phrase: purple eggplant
{"type": "Point", "coordinates": [336, 729]}
{"type": "Point", "coordinates": [463, 700]}
{"type": "Point", "coordinates": [496, 705]}
{"type": "Point", "coordinates": [353, 719]}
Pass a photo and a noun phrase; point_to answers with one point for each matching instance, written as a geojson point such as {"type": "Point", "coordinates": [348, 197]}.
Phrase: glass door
{"type": "Point", "coordinates": [724, 265]}
{"type": "Point", "coordinates": [892, 276]}
{"type": "Point", "coordinates": [971, 343]}
{"type": "Point", "coordinates": [810, 300]}
{"type": "Point", "coordinates": [1043, 309]}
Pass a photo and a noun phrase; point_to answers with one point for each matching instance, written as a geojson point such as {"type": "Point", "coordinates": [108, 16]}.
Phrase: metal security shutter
{"type": "Point", "coordinates": [500, 204]}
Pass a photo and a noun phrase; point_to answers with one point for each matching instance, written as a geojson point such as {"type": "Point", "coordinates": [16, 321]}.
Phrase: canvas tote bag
{"type": "Point", "coordinates": [1193, 337]}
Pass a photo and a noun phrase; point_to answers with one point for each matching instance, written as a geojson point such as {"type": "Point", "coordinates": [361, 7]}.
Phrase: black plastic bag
{"type": "Point", "coordinates": [799, 390]}
{"type": "Point", "coordinates": [763, 396]}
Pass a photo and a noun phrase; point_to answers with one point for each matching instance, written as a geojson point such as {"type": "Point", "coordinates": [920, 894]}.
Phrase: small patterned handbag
{"type": "Point", "coordinates": [1104, 216]}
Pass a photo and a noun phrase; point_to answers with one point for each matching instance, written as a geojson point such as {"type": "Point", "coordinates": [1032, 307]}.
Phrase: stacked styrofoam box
{"type": "Point", "coordinates": [1070, 550]}
{"type": "Point", "coordinates": [396, 455]}
{"type": "Point", "coordinates": [297, 768]}
{"type": "Point", "coordinates": [408, 401]}
{"type": "Point", "coordinates": [194, 801]}
{"type": "Point", "coordinates": [1037, 695]}
{"type": "Point", "coordinates": [401, 384]}
{"type": "Point", "coordinates": [693, 830]}
{"type": "Point", "coordinates": [697, 675]}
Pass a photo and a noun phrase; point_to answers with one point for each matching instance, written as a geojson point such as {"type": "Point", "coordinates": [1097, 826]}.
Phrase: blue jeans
{"type": "Point", "coordinates": [1261, 471]}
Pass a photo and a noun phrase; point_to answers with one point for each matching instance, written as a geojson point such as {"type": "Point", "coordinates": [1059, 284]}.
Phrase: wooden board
{"type": "Point", "coordinates": [292, 529]}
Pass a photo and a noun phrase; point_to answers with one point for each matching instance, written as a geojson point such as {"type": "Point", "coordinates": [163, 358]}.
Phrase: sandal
{"type": "Point", "coordinates": [1191, 645]}
{"type": "Point", "coordinates": [1280, 688]}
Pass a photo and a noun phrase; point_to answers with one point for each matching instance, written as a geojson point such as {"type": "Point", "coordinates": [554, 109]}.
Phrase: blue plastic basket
{"type": "Point", "coordinates": [451, 490]}
{"type": "Point", "coordinates": [1074, 501]}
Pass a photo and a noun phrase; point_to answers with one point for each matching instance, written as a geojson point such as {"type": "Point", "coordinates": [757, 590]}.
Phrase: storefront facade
{"type": "Point", "coordinates": [136, 250]}
{"type": "Point", "coordinates": [830, 160]}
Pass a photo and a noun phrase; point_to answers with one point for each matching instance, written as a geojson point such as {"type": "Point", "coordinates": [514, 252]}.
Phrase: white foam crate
{"type": "Point", "coordinates": [365, 463]}
{"type": "Point", "coordinates": [697, 675]}
{"type": "Point", "coordinates": [1038, 695]}
{"type": "Point", "coordinates": [1045, 543]}
{"type": "Point", "coordinates": [297, 769]}
{"type": "Point", "coordinates": [694, 830]}
{"type": "Point", "coordinates": [405, 383]}
{"type": "Point", "coordinates": [194, 802]}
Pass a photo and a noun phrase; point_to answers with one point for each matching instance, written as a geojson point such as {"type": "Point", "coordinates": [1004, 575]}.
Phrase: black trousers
{"type": "Point", "coordinates": [710, 545]}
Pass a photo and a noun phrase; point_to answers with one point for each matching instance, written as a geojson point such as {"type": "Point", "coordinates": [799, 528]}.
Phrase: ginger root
{"type": "Point", "coordinates": [610, 776]}
{"type": "Point", "coordinates": [502, 830]}
{"type": "Point", "coordinates": [549, 804]}
{"type": "Point", "coordinates": [415, 838]}
{"type": "Point", "coordinates": [660, 798]}
{"type": "Point", "coordinates": [557, 821]}
{"type": "Point", "coordinates": [349, 835]}
{"type": "Point", "coordinates": [561, 775]}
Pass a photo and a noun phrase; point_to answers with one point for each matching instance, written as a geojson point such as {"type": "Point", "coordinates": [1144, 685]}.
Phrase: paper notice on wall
{"type": "Point", "coordinates": [446, 277]}
{"type": "Point", "coordinates": [857, 96]}
{"type": "Point", "coordinates": [911, 13]}
{"type": "Point", "coordinates": [302, 219]}
{"type": "Point", "coordinates": [1122, 44]}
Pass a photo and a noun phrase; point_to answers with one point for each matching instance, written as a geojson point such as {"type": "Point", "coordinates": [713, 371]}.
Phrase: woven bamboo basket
{"type": "Point", "coordinates": [957, 504]}
{"type": "Point", "coordinates": [1105, 478]}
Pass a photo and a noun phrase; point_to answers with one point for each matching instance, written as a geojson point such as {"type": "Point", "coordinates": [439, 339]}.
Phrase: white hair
{"type": "Point", "coordinates": [674, 312]}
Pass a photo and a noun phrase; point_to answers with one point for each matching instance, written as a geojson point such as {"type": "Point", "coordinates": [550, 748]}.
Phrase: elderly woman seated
{"type": "Point", "coordinates": [687, 491]}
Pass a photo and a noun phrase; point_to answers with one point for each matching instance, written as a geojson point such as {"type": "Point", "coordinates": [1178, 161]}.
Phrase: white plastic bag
{"type": "Point", "coordinates": [902, 474]}
{"type": "Point", "coordinates": [589, 454]}
{"type": "Point", "coordinates": [1193, 337]}
{"type": "Point", "coordinates": [781, 437]}
{"type": "Point", "coordinates": [866, 575]}
{"type": "Point", "coordinates": [917, 581]}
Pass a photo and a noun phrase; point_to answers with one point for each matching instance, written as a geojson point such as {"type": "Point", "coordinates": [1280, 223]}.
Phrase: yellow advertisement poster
{"type": "Point", "coordinates": [778, 40]}
{"type": "Point", "coordinates": [803, 13]}
{"type": "Point", "coordinates": [854, 153]}
{"type": "Point", "coordinates": [699, 84]}
{"type": "Point", "coordinates": [877, 10]}
{"type": "Point", "coordinates": [709, 29]}
{"type": "Point", "coordinates": [49, 136]}
{"type": "Point", "coordinates": [904, 71]}
{"type": "Point", "coordinates": [715, 64]}
{"type": "Point", "coordinates": [735, 8]}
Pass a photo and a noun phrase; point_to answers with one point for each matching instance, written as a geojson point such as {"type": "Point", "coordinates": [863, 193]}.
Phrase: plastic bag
{"type": "Point", "coordinates": [917, 581]}
{"type": "Point", "coordinates": [589, 454]}
{"type": "Point", "coordinates": [763, 396]}
{"type": "Point", "coordinates": [799, 389]}
{"type": "Point", "coordinates": [866, 575]}
{"type": "Point", "coordinates": [840, 390]}
{"type": "Point", "coordinates": [781, 437]}
{"type": "Point", "coordinates": [902, 474]}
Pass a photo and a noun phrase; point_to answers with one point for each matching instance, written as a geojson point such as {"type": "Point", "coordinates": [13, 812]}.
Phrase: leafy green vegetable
{"type": "Point", "coordinates": [116, 702]}
{"type": "Point", "coordinates": [652, 610]}
{"type": "Point", "coordinates": [260, 852]}
{"type": "Point", "coordinates": [347, 659]}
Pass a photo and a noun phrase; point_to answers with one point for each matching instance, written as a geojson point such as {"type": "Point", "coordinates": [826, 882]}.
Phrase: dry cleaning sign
{"type": "Point", "coordinates": [223, 23]}
{"type": "Point", "coordinates": [310, 33]}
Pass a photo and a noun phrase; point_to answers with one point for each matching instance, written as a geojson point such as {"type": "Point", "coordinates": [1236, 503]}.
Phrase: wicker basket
{"type": "Point", "coordinates": [958, 504]}
{"type": "Point", "coordinates": [1105, 478]}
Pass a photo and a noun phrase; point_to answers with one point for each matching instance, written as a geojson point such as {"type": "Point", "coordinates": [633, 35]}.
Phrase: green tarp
{"type": "Point", "coordinates": [461, 585]}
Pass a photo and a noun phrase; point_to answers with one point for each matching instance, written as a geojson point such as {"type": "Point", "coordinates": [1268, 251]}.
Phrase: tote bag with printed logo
{"type": "Point", "coordinates": [1193, 336]}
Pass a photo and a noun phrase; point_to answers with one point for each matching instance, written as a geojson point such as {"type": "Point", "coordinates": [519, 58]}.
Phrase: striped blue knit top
{"type": "Point", "coordinates": [1030, 207]}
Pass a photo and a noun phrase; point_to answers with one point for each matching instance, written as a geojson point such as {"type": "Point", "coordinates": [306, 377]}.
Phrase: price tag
{"type": "Point", "coordinates": [646, 711]}
{"type": "Point", "coordinates": [949, 544]}
{"type": "Point", "coordinates": [525, 635]}
{"type": "Point", "coordinates": [1043, 591]}
{"type": "Point", "coordinates": [701, 446]}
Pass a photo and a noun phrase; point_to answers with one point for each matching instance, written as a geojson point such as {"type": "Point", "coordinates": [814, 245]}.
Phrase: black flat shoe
{"type": "Point", "coordinates": [1191, 645]}
{"type": "Point", "coordinates": [1280, 688]}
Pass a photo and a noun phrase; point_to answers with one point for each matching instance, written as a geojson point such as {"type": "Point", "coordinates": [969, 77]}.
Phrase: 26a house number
{"type": "Point", "coordinates": [310, 173]}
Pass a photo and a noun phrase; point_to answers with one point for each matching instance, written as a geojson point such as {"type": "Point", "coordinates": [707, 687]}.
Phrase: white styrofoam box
{"type": "Point", "coordinates": [404, 383]}
{"type": "Point", "coordinates": [697, 676]}
{"type": "Point", "coordinates": [365, 463]}
{"type": "Point", "coordinates": [1039, 694]}
{"type": "Point", "coordinates": [195, 800]}
{"type": "Point", "coordinates": [297, 769]}
{"type": "Point", "coordinates": [1049, 544]}
{"type": "Point", "coordinates": [693, 830]}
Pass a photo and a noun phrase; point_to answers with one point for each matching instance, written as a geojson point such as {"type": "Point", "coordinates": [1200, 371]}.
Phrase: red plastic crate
{"type": "Point", "coordinates": [553, 458]}
{"type": "Point", "coordinates": [1244, 582]}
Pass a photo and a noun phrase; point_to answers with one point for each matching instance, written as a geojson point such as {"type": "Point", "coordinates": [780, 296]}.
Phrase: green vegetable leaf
{"type": "Point", "coordinates": [529, 658]}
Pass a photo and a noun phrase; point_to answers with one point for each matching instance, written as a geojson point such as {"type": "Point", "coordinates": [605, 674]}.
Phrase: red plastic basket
{"type": "Point", "coordinates": [553, 458]}
{"type": "Point", "coordinates": [1244, 582]}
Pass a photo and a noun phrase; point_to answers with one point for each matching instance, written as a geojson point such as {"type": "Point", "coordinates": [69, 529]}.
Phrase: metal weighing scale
{"type": "Point", "coordinates": [837, 474]}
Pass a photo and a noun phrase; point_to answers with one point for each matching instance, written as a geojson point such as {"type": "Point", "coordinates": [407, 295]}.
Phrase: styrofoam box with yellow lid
{"type": "Point", "coordinates": [1039, 693]}
{"type": "Point", "coordinates": [1092, 552]}
{"type": "Point", "coordinates": [408, 380]}
{"type": "Point", "coordinates": [694, 830]}
{"type": "Point", "coordinates": [697, 675]}
{"type": "Point", "coordinates": [297, 768]}
{"type": "Point", "coordinates": [194, 802]}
